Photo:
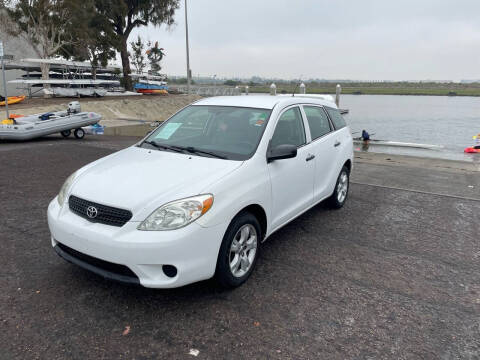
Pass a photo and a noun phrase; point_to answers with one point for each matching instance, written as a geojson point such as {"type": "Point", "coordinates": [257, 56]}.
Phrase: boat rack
{"type": "Point", "coordinates": [65, 74]}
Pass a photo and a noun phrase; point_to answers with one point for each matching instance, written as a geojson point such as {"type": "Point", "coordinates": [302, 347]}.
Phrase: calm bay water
{"type": "Point", "coordinates": [438, 120]}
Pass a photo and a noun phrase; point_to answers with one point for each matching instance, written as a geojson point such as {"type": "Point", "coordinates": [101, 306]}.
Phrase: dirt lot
{"type": "Point", "coordinates": [394, 274]}
{"type": "Point", "coordinates": [115, 111]}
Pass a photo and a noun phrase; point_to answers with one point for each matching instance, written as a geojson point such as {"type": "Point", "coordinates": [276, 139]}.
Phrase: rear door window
{"type": "Point", "coordinates": [337, 118]}
{"type": "Point", "coordinates": [317, 120]}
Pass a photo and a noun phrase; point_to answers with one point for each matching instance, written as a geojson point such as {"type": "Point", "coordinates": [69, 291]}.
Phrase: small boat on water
{"type": "Point", "coordinates": [33, 126]}
{"type": "Point", "coordinates": [12, 100]}
{"type": "Point", "coordinates": [359, 141]}
{"type": "Point", "coordinates": [472, 150]}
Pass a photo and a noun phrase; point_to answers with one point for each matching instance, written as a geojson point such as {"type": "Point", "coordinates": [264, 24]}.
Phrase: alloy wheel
{"type": "Point", "coordinates": [342, 187]}
{"type": "Point", "coordinates": [243, 250]}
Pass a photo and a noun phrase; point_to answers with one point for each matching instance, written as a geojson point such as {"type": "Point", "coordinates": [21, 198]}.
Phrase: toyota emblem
{"type": "Point", "coordinates": [92, 212]}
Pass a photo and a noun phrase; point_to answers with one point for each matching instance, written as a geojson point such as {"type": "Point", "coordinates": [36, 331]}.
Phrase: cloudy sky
{"type": "Point", "coordinates": [335, 39]}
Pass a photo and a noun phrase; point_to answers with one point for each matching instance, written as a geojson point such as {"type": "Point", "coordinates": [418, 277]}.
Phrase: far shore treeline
{"type": "Point", "coordinates": [87, 30]}
{"type": "Point", "coordinates": [371, 88]}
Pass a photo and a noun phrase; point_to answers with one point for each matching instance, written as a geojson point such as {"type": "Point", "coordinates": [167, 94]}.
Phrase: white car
{"type": "Point", "coordinates": [197, 197]}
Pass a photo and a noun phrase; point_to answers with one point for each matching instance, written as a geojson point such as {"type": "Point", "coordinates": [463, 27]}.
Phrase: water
{"type": "Point", "coordinates": [438, 120]}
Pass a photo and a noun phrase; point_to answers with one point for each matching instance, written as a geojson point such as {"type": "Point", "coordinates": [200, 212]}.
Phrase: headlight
{"type": "Point", "coordinates": [177, 214]}
{"type": "Point", "coordinates": [65, 187]}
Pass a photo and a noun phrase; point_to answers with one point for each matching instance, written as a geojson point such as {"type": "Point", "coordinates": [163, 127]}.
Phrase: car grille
{"type": "Point", "coordinates": [104, 268]}
{"type": "Point", "coordinates": [104, 214]}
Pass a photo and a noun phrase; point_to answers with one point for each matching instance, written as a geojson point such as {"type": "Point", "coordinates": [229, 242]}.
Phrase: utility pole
{"type": "Point", "coordinates": [189, 73]}
{"type": "Point", "coordinates": [4, 80]}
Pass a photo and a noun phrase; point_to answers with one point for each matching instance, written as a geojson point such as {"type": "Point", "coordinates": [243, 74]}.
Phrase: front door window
{"type": "Point", "coordinates": [289, 129]}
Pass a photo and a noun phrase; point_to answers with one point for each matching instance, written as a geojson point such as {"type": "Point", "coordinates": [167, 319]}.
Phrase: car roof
{"type": "Point", "coordinates": [267, 101]}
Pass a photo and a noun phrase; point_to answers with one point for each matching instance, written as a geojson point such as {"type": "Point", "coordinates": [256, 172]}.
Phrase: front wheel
{"type": "Point", "coordinates": [239, 250]}
{"type": "Point", "coordinates": [339, 196]}
{"type": "Point", "coordinates": [66, 133]}
{"type": "Point", "coordinates": [79, 133]}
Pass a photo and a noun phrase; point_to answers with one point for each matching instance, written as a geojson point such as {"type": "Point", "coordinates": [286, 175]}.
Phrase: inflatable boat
{"type": "Point", "coordinates": [33, 126]}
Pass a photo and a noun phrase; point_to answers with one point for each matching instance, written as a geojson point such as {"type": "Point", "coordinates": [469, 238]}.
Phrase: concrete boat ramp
{"type": "Point", "coordinates": [394, 274]}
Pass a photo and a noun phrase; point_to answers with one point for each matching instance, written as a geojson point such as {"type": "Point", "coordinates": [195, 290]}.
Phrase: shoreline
{"type": "Point", "coordinates": [314, 92]}
{"type": "Point", "coordinates": [447, 165]}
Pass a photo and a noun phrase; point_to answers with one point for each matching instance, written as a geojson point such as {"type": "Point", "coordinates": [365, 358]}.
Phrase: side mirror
{"type": "Point", "coordinates": [285, 151]}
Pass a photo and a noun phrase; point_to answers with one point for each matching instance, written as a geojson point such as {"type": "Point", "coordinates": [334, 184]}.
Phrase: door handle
{"type": "Point", "coordinates": [337, 143]}
{"type": "Point", "coordinates": [310, 157]}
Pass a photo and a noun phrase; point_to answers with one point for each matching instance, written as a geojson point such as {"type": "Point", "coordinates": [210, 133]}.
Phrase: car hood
{"type": "Point", "coordinates": [141, 180]}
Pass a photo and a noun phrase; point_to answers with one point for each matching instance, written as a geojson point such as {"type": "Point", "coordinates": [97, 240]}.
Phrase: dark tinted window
{"type": "Point", "coordinates": [337, 118]}
{"type": "Point", "coordinates": [289, 129]}
{"type": "Point", "coordinates": [317, 120]}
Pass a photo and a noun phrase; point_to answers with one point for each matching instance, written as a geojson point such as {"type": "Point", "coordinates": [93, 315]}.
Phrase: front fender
{"type": "Point", "coordinates": [249, 184]}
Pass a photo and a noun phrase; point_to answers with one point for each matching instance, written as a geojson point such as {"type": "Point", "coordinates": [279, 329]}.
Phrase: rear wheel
{"type": "Point", "coordinates": [79, 133]}
{"type": "Point", "coordinates": [339, 196]}
{"type": "Point", "coordinates": [239, 250]}
{"type": "Point", "coordinates": [66, 133]}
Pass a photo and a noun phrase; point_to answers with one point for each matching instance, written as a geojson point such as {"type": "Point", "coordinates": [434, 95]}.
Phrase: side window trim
{"type": "Point", "coordinates": [285, 109]}
{"type": "Point", "coordinates": [306, 125]}
{"type": "Point", "coordinates": [330, 123]}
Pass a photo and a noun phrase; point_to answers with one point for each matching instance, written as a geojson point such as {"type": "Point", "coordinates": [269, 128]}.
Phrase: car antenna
{"type": "Point", "coordinates": [296, 86]}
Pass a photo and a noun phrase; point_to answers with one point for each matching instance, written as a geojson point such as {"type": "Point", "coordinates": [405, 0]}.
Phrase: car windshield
{"type": "Point", "coordinates": [215, 131]}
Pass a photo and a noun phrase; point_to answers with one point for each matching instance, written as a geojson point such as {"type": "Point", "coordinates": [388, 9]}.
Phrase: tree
{"type": "Point", "coordinates": [45, 24]}
{"type": "Point", "coordinates": [231, 83]}
{"type": "Point", "coordinates": [155, 55]}
{"type": "Point", "coordinates": [138, 59]}
{"type": "Point", "coordinates": [125, 15]}
{"type": "Point", "coordinates": [93, 40]}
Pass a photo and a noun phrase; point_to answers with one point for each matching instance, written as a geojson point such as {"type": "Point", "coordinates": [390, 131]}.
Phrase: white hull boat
{"type": "Point", "coordinates": [30, 127]}
{"type": "Point", "coordinates": [74, 92]}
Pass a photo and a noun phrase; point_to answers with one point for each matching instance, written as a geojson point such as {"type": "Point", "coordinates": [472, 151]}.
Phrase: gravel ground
{"type": "Point", "coordinates": [394, 274]}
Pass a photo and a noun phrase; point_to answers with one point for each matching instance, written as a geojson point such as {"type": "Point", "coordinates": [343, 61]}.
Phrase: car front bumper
{"type": "Point", "coordinates": [107, 250]}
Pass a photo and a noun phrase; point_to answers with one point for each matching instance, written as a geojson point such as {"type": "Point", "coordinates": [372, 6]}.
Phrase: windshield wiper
{"type": "Point", "coordinates": [184, 149]}
{"type": "Point", "coordinates": [193, 150]}
{"type": "Point", "coordinates": [162, 146]}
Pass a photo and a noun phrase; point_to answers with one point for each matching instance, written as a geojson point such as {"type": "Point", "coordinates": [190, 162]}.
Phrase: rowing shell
{"type": "Point", "coordinates": [398, 144]}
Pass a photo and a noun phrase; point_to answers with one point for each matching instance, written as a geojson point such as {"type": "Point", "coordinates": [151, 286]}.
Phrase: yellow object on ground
{"type": "Point", "coordinates": [13, 100]}
{"type": "Point", "coordinates": [11, 121]}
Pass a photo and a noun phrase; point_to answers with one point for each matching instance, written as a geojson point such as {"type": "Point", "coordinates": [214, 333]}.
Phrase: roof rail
{"type": "Point", "coordinates": [325, 97]}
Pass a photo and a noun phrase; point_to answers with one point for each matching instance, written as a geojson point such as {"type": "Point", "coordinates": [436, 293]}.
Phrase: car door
{"type": "Point", "coordinates": [324, 148]}
{"type": "Point", "coordinates": [291, 179]}
{"type": "Point", "coordinates": [343, 137]}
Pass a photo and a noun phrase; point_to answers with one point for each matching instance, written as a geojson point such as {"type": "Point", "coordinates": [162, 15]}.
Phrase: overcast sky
{"type": "Point", "coordinates": [335, 39]}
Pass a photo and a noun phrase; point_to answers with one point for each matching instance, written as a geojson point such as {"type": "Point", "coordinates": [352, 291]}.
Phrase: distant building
{"type": "Point", "coordinates": [20, 49]}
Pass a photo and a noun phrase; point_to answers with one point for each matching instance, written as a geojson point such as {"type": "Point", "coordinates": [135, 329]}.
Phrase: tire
{"type": "Point", "coordinates": [79, 133]}
{"type": "Point", "coordinates": [229, 259]}
{"type": "Point", "coordinates": [340, 194]}
{"type": "Point", "coordinates": [66, 133]}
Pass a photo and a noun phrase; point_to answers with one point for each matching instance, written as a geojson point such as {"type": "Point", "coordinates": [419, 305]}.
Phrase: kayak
{"type": "Point", "coordinates": [471, 150]}
{"type": "Point", "coordinates": [153, 91]}
{"type": "Point", "coordinates": [13, 100]}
